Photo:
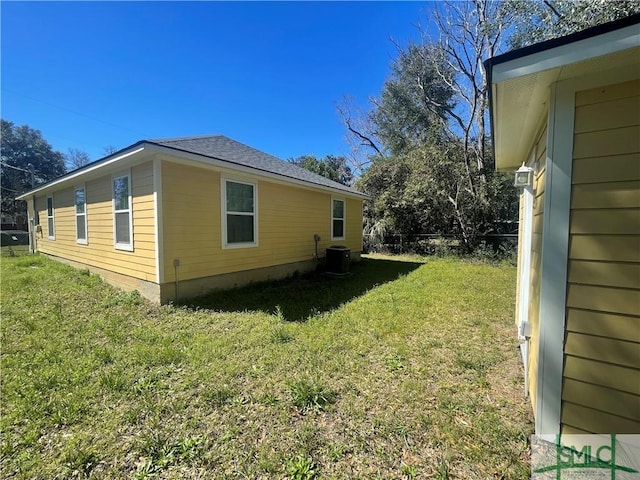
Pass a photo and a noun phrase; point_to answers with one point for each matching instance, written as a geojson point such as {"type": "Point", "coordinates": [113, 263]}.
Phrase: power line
{"type": "Point", "coordinates": [74, 112]}
{"type": "Point", "coordinates": [15, 168]}
{"type": "Point", "coordinates": [9, 190]}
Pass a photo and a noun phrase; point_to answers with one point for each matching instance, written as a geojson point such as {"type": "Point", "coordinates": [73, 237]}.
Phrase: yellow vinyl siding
{"type": "Point", "coordinates": [288, 216]}
{"type": "Point", "coordinates": [606, 195]}
{"type": "Point", "coordinates": [594, 420]}
{"type": "Point", "coordinates": [607, 325]}
{"type": "Point", "coordinates": [601, 378]}
{"type": "Point", "coordinates": [100, 251]}
{"type": "Point", "coordinates": [611, 274]}
{"type": "Point", "coordinates": [589, 170]}
{"type": "Point", "coordinates": [191, 219]}
{"type": "Point", "coordinates": [605, 374]}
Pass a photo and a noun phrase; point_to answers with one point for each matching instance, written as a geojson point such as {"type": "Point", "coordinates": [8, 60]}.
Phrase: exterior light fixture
{"type": "Point", "coordinates": [524, 177]}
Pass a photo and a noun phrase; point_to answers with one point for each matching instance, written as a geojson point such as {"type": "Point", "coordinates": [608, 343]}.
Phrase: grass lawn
{"type": "Point", "coordinates": [409, 368]}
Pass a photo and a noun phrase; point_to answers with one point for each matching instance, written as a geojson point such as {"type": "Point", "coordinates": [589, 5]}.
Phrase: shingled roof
{"type": "Point", "coordinates": [215, 147]}
{"type": "Point", "coordinates": [225, 149]}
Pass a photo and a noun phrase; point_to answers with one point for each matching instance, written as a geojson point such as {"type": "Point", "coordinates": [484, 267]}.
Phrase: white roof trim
{"type": "Point", "coordinates": [574, 52]}
{"type": "Point", "coordinates": [198, 159]}
{"type": "Point", "coordinates": [79, 173]}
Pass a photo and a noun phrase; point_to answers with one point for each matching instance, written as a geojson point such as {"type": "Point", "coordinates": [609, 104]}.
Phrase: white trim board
{"type": "Point", "coordinates": [524, 293]}
{"type": "Point", "coordinates": [127, 247]}
{"type": "Point", "coordinates": [158, 219]}
{"type": "Point", "coordinates": [223, 212]}
{"type": "Point", "coordinates": [186, 158]}
{"type": "Point", "coordinates": [344, 219]}
{"type": "Point", "coordinates": [567, 54]}
{"type": "Point", "coordinates": [553, 267]}
{"type": "Point", "coordinates": [85, 240]}
{"type": "Point", "coordinates": [83, 172]}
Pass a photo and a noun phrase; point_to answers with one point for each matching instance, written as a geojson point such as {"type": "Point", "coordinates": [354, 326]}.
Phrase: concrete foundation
{"type": "Point", "coordinates": [185, 289]}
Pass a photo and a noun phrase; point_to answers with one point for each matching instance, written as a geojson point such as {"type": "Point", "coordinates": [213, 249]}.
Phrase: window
{"type": "Point", "coordinates": [240, 214]}
{"type": "Point", "coordinates": [81, 216]}
{"type": "Point", "coordinates": [122, 212]}
{"type": "Point", "coordinates": [337, 219]}
{"type": "Point", "coordinates": [50, 224]}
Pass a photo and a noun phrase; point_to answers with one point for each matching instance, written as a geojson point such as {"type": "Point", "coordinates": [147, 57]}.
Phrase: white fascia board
{"type": "Point", "coordinates": [83, 172]}
{"type": "Point", "coordinates": [597, 46]}
{"type": "Point", "coordinates": [158, 222]}
{"type": "Point", "coordinates": [194, 159]}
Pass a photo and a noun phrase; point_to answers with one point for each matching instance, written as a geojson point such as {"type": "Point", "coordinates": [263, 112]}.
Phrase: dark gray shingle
{"type": "Point", "coordinates": [223, 148]}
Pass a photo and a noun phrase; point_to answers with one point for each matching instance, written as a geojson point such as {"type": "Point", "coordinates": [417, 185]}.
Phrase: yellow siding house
{"type": "Point", "coordinates": [174, 218]}
{"type": "Point", "coordinates": [566, 116]}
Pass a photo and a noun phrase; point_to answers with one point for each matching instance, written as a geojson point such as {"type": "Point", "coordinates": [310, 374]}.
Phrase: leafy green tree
{"type": "Point", "coordinates": [332, 167]}
{"type": "Point", "coordinates": [412, 108]}
{"type": "Point", "coordinates": [425, 190]}
{"type": "Point", "coordinates": [27, 160]}
{"type": "Point", "coordinates": [539, 20]}
{"type": "Point", "coordinates": [430, 166]}
{"type": "Point", "coordinates": [431, 118]}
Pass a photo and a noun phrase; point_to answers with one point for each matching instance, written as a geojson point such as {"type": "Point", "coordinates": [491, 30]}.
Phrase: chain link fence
{"type": "Point", "coordinates": [14, 243]}
{"type": "Point", "coordinates": [435, 244]}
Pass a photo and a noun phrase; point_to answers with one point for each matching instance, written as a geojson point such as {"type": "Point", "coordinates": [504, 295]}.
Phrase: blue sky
{"type": "Point", "coordinates": [269, 74]}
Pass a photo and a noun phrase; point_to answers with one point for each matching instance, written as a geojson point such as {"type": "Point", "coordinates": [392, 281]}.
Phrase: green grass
{"type": "Point", "coordinates": [406, 369]}
{"type": "Point", "coordinates": [14, 251]}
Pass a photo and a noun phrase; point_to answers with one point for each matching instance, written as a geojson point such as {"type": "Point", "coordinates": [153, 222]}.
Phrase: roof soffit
{"type": "Point", "coordinates": [520, 101]}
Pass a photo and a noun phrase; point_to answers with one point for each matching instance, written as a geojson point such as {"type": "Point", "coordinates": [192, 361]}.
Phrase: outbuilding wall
{"type": "Point", "coordinates": [601, 378]}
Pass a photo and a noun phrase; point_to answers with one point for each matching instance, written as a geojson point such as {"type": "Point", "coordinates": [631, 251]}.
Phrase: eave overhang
{"type": "Point", "coordinates": [117, 161]}
{"type": "Point", "coordinates": [144, 150]}
{"type": "Point", "coordinates": [519, 80]}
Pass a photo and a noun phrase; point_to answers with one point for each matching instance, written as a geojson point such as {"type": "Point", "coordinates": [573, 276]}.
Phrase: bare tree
{"type": "Point", "coordinates": [75, 158]}
{"type": "Point", "coordinates": [432, 114]}
{"type": "Point", "coordinates": [470, 32]}
{"type": "Point", "coordinates": [361, 134]}
{"type": "Point", "coordinates": [546, 19]}
{"type": "Point", "coordinates": [108, 150]}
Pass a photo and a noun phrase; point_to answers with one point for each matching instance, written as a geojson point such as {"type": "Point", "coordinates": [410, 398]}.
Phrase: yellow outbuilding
{"type": "Point", "coordinates": [566, 116]}
{"type": "Point", "coordinates": [175, 218]}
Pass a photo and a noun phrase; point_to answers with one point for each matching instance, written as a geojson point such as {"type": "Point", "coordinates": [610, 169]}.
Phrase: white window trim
{"type": "Point", "coordinates": [344, 218]}
{"type": "Point", "coordinates": [85, 240]}
{"type": "Point", "coordinates": [52, 217]}
{"type": "Point", "coordinates": [122, 246]}
{"type": "Point", "coordinates": [223, 209]}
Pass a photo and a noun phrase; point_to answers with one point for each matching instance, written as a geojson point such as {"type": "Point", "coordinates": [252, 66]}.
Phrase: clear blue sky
{"type": "Point", "coordinates": [268, 74]}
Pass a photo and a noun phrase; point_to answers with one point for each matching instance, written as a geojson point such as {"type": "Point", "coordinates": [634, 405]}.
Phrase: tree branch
{"type": "Point", "coordinates": [553, 9]}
